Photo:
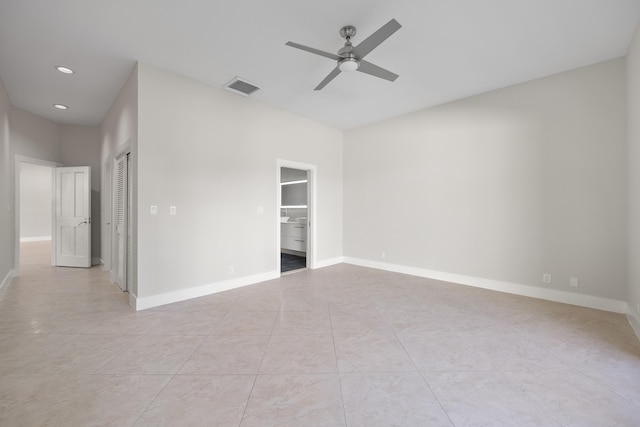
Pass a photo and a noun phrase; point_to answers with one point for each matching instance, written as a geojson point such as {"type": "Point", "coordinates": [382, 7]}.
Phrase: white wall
{"type": "Point", "coordinates": [502, 186]}
{"type": "Point", "coordinates": [6, 192]}
{"type": "Point", "coordinates": [35, 137]}
{"type": "Point", "coordinates": [213, 155]}
{"type": "Point", "coordinates": [36, 183]}
{"type": "Point", "coordinates": [633, 122]}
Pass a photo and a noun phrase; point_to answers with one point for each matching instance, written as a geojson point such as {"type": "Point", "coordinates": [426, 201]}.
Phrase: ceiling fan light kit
{"type": "Point", "coordinates": [348, 64]}
{"type": "Point", "coordinates": [350, 58]}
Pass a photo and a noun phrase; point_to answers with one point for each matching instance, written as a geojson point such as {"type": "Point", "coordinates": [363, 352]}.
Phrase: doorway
{"type": "Point", "coordinates": [36, 213]}
{"type": "Point", "coordinates": [296, 213]}
{"type": "Point", "coordinates": [37, 182]}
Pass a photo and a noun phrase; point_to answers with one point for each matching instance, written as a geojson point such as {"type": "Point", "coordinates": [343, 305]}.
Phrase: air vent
{"type": "Point", "coordinates": [241, 87]}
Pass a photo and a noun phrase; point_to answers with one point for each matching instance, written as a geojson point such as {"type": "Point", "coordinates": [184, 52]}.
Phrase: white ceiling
{"type": "Point", "coordinates": [445, 50]}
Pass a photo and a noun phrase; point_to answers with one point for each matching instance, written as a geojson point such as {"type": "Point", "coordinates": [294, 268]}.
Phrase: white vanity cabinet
{"type": "Point", "coordinates": [293, 236]}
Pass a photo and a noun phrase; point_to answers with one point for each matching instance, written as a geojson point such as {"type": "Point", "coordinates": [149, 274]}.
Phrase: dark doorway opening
{"type": "Point", "coordinates": [289, 262]}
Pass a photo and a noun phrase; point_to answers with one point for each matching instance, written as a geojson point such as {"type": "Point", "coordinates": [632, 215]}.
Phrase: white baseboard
{"type": "Point", "coordinates": [143, 303]}
{"type": "Point", "coordinates": [96, 261]}
{"type": "Point", "coordinates": [6, 280]}
{"type": "Point", "coordinates": [634, 321]}
{"type": "Point", "coordinates": [35, 239]}
{"type": "Point", "coordinates": [328, 262]}
{"type": "Point", "coordinates": [582, 300]}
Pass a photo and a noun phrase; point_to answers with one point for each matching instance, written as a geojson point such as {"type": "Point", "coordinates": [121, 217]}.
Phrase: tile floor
{"type": "Point", "coordinates": [337, 346]}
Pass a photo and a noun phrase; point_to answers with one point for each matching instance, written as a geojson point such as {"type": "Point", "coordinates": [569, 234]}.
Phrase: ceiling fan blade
{"type": "Point", "coordinates": [332, 75]}
{"type": "Point", "coordinates": [371, 42]}
{"type": "Point", "coordinates": [312, 50]}
{"type": "Point", "coordinates": [374, 70]}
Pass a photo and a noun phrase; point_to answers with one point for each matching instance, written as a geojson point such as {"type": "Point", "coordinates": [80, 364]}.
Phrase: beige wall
{"type": "Point", "coordinates": [213, 155]}
{"type": "Point", "coordinates": [504, 186]}
{"type": "Point", "coordinates": [6, 192]}
{"type": "Point", "coordinates": [633, 156]}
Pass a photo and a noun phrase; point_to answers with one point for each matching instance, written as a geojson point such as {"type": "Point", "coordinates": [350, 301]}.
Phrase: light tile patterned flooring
{"type": "Point", "coordinates": [337, 346]}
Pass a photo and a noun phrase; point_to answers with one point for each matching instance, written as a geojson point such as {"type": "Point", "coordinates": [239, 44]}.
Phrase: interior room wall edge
{"type": "Point", "coordinates": [633, 180]}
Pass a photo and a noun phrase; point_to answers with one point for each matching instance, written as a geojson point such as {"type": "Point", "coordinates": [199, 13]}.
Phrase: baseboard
{"type": "Point", "coordinates": [582, 300]}
{"type": "Point", "coordinates": [634, 321]}
{"type": "Point", "coordinates": [144, 303]}
{"type": "Point", "coordinates": [96, 261]}
{"type": "Point", "coordinates": [133, 301]}
{"type": "Point", "coordinates": [328, 262]}
{"type": "Point", "coordinates": [6, 280]}
{"type": "Point", "coordinates": [35, 239]}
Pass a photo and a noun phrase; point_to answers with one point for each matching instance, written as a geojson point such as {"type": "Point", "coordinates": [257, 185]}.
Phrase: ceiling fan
{"type": "Point", "coordinates": [351, 58]}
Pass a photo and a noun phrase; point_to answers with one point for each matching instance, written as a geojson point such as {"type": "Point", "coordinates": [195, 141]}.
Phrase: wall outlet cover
{"type": "Point", "coordinates": [546, 277]}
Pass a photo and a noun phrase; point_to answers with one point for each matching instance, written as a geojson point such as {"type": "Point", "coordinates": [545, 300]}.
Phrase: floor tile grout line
{"type": "Point", "coordinates": [339, 375]}
{"type": "Point", "coordinates": [204, 338]}
{"type": "Point", "coordinates": [422, 375]}
{"type": "Point", "coordinates": [536, 402]}
{"type": "Point", "coordinates": [255, 378]}
{"type": "Point", "coordinates": [146, 408]}
{"type": "Point", "coordinates": [609, 389]}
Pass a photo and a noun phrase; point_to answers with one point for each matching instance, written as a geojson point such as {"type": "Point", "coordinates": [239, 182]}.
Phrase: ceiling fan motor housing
{"type": "Point", "coordinates": [348, 61]}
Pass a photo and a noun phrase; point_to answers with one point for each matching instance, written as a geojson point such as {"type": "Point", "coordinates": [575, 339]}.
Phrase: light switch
{"type": "Point", "coordinates": [172, 210]}
{"type": "Point", "coordinates": [153, 210]}
{"type": "Point", "coordinates": [260, 210]}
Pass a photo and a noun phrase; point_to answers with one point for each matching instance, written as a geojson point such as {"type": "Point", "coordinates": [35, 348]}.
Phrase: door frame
{"type": "Point", "coordinates": [311, 209]}
{"type": "Point", "coordinates": [19, 159]}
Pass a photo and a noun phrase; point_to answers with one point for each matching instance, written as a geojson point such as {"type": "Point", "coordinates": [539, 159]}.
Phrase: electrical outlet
{"type": "Point", "coordinates": [172, 210]}
{"type": "Point", "coordinates": [232, 269]}
{"type": "Point", "coordinates": [383, 255]}
{"type": "Point", "coordinates": [546, 278]}
{"type": "Point", "coordinates": [153, 210]}
{"type": "Point", "coordinates": [573, 282]}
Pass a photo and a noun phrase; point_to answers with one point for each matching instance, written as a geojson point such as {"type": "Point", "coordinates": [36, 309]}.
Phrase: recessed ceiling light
{"type": "Point", "coordinates": [64, 70]}
{"type": "Point", "coordinates": [61, 106]}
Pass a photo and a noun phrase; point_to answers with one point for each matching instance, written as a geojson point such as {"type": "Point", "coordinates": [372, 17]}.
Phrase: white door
{"type": "Point", "coordinates": [73, 216]}
{"type": "Point", "coordinates": [121, 220]}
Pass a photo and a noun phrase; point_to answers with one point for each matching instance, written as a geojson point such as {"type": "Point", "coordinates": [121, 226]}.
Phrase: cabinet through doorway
{"type": "Point", "coordinates": [294, 220]}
